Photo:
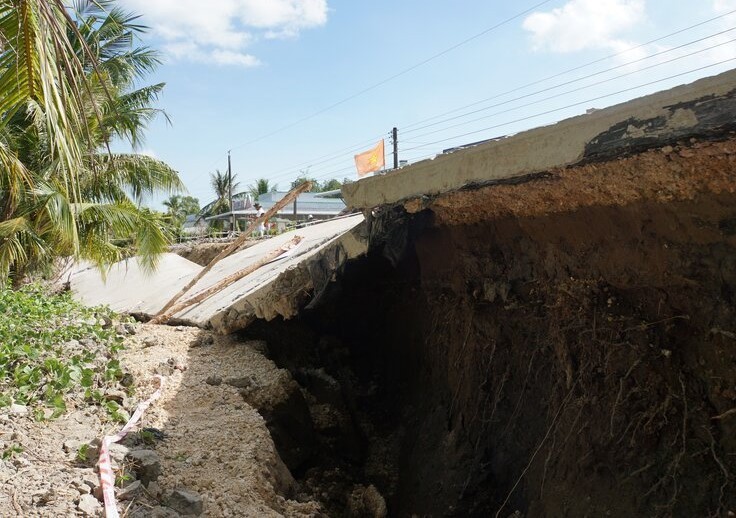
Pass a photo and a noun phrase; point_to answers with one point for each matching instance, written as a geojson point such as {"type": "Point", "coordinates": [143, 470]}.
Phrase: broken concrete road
{"type": "Point", "coordinates": [279, 288]}
{"type": "Point", "coordinates": [703, 109]}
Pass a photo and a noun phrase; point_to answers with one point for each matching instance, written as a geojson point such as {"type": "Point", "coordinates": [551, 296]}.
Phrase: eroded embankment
{"type": "Point", "coordinates": [577, 359]}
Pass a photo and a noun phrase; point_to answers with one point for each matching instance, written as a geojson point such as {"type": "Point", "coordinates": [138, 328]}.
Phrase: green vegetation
{"type": "Point", "coordinates": [178, 207]}
{"type": "Point", "coordinates": [317, 186]}
{"type": "Point", "coordinates": [261, 186]}
{"type": "Point", "coordinates": [54, 350]}
{"type": "Point", "coordinates": [69, 87]}
{"type": "Point", "coordinates": [11, 451]}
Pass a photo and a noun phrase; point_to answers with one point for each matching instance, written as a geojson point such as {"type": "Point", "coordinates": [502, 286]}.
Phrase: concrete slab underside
{"type": "Point", "coordinates": [278, 288]}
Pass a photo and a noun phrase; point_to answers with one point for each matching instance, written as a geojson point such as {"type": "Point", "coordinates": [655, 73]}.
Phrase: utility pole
{"type": "Point", "coordinates": [395, 139]}
{"type": "Point", "coordinates": [230, 193]}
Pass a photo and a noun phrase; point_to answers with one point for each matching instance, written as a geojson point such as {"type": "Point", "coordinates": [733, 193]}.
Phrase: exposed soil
{"type": "Point", "coordinates": [578, 362]}
{"type": "Point", "coordinates": [207, 438]}
{"type": "Point", "coordinates": [564, 346]}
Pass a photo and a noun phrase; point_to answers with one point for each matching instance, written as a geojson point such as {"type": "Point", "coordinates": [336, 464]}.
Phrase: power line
{"type": "Point", "coordinates": [350, 168]}
{"type": "Point", "coordinates": [567, 92]}
{"type": "Point", "coordinates": [583, 102]}
{"type": "Point", "coordinates": [572, 81]}
{"type": "Point", "coordinates": [336, 155]}
{"type": "Point", "coordinates": [329, 158]}
{"type": "Point", "coordinates": [392, 77]}
{"type": "Point", "coordinates": [406, 127]}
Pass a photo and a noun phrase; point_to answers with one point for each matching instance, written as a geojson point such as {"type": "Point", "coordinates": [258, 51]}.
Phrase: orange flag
{"type": "Point", "coordinates": [371, 160]}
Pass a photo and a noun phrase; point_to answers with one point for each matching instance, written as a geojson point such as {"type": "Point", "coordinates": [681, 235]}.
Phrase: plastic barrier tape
{"type": "Point", "coordinates": [107, 477]}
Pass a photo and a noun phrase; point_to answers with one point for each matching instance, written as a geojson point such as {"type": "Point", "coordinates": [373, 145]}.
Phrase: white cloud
{"type": "Point", "coordinates": [724, 6]}
{"type": "Point", "coordinates": [220, 31]}
{"type": "Point", "coordinates": [585, 24]}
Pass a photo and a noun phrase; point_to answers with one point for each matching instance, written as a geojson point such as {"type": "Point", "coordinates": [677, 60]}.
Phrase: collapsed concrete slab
{"type": "Point", "coordinates": [129, 288]}
{"type": "Point", "coordinates": [703, 109]}
{"type": "Point", "coordinates": [279, 288]}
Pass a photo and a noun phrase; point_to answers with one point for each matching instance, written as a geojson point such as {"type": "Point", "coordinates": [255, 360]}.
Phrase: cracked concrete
{"type": "Point", "coordinates": [279, 288]}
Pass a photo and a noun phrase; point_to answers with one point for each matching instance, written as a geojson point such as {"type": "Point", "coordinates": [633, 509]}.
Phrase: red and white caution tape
{"type": "Point", "coordinates": [107, 477]}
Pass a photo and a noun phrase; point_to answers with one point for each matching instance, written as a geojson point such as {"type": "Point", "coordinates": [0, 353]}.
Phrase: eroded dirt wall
{"type": "Point", "coordinates": [577, 363]}
{"type": "Point", "coordinates": [573, 361]}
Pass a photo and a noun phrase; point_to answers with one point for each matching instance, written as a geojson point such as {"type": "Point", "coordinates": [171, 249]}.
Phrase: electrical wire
{"type": "Point", "coordinates": [350, 168]}
{"type": "Point", "coordinates": [392, 77]}
{"type": "Point", "coordinates": [572, 81]}
{"type": "Point", "coordinates": [337, 155]}
{"type": "Point", "coordinates": [465, 123]}
{"type": "Point", "coordinates": [587, 101]}
{"type": "Point", "coordinates": [328, 158]}
{"type": "Point", "coordinates": [406, 127]}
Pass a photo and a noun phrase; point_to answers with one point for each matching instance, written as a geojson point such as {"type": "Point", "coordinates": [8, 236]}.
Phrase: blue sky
{"type": "Point", "coordinates": [239, 70]}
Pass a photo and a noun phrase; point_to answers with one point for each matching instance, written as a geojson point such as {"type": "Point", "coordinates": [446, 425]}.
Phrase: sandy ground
{"type": "Point", "coordinates": [213, 443]}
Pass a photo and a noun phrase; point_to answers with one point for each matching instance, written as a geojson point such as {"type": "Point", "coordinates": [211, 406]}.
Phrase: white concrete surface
{"type": "Point", "coordinates": [545, 148]}
{"type": "Point", "coordinates": [128, 289]}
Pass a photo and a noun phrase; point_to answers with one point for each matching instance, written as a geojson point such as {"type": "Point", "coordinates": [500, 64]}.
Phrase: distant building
{"type": "Point", "coordinates": [319, 205]}
{"type": "Point", "coordinates": [194, 225]}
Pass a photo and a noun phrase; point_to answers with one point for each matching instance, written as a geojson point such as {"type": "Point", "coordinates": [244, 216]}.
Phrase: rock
{"type": "Point", "coordinates": [213, 380]}
{"type": "Point", "coordinates": [146, 465]}
{"type": "Point", "coordinates": [131, 491]}
{"type": "Point", "coordinates": [121, 329]}
{"type": "Point", "coordinates": [150, 341]}
{"type": "Point", "coordinates": [118, 452]}
{"type": "Point", "coordinates": [115, 395]}
{"type": "Point", "coordinates": [88, 343]}
{"type": "Point", "coordinates": [91, 480]}
{"type": "Point", "coordinates": [243, 382]}
{"type": "Point", "coordinates": [186, 502]}
{"type": "Point", "coordinates": [127, 380]}
{"type": "Point", "coordinates": [16, 409]}
{"type": "Point", "coordinates": [130, 328]}
{"type": "Point", "coordinates": [366, 501]}
{"type": "Point", "coordinates": [154, 489]}
{"type": "Point", "coordinates": [203, 340]}
{"type": "Point", "coordinates": [83, 489]}
{"type": "Point", "coordinates": [177, 364]}
{"type": "Point", "coordinates": [93, 450]}
{"type": "Point", "coordinates": [105, 322]}
{"type": "Point", "coordinates": [164, 369]}
{"type": "Point", "coordinates": [71, 345]}
{"type": "Point", "coordinates": [72, 446]}
{"type": "Point", "coordinates": [88, 505]}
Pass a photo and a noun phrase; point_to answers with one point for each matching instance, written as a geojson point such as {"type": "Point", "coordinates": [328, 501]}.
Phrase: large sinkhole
{"type": "Point", "coordinates": [579, 363]}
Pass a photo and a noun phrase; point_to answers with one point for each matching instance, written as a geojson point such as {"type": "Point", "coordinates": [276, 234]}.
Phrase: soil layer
{"type": "Point", "coordinates": [575, 361]}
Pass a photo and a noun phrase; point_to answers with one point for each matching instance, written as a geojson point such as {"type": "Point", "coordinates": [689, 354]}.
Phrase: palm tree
{"type": "Point", "coordinates": [221, 185]}
{"type": "Point", "coordinates": [66, 91]}
{"type": "Point", "coordinates": [261, 186]}
{"type": "Point", "coordinates": [179, 207]}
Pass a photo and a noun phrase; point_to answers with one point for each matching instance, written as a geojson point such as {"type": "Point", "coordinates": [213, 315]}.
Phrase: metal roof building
{"type": "Point", "coordinates": [320, 205]}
